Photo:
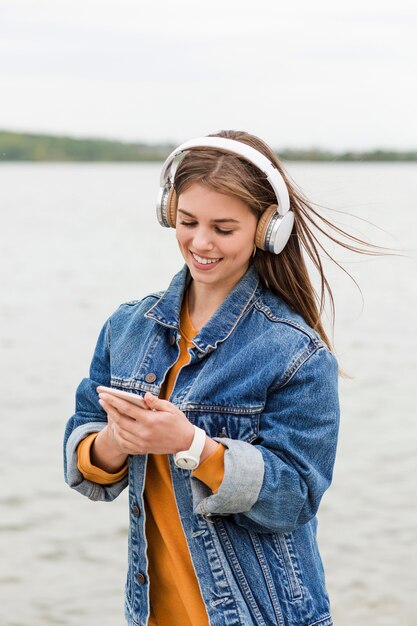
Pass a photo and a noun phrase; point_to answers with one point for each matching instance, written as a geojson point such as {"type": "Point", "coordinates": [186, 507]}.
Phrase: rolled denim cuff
{"type": "Point", "coordinates": [242, 482]}
{"type": "Point", "coordinates": [76, 480]}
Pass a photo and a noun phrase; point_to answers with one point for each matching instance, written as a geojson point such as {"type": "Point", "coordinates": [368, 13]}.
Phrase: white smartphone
{"type": "Point", "coordinates": [125, 395]}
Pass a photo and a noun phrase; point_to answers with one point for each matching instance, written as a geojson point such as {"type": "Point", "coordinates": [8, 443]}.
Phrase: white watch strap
{"type": "Point", "coordinates": [191, 457]}
{"type": "Point", "coordinates": [198, 442]}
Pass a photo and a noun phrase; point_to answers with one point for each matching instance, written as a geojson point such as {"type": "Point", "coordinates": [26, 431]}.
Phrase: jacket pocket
{"type": "Point", "coordinates": [266, 569]}
{"type": "Point", "coordinates": [245, 570]}
{"type": "Point", "coordinates": [222, 421]}
{"type": "Point", "coordinates": [284, 549]}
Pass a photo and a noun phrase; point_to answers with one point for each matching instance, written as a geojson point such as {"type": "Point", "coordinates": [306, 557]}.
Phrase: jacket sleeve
{"type": "Point", "coordinates": [276, 483]}
{"type": "Point", "coordinates": [89, 417]}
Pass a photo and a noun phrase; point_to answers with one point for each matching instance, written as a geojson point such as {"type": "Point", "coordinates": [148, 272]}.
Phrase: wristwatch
{"type": "Point", "coordinates": [190, 459]}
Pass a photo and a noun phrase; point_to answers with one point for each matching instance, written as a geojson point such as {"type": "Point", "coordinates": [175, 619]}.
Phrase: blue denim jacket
{"type": "Point", "coordinates": [262, 382]}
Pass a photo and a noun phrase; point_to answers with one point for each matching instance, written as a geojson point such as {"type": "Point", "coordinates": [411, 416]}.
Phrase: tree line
{"type": "Point", "coordinates": [37, 147]}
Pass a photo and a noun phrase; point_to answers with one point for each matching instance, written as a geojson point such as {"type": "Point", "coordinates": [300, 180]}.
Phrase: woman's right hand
{"type": "Point", "coordinates": [106, 452]}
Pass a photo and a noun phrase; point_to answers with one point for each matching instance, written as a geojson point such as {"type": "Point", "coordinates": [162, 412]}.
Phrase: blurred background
{"type": "Point", "coordinates": [93, 94]}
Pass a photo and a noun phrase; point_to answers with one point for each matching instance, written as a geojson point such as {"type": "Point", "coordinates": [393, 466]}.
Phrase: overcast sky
{"type": "Point", "coordinates": [300, 73]}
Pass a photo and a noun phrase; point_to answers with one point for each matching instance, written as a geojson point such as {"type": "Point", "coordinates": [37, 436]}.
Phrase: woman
{"type": "Point", "coordinates": [229, 460]}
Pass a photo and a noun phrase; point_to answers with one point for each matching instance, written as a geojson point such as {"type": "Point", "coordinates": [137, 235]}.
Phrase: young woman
{"type": "Point", "coordinates": [230, 455]}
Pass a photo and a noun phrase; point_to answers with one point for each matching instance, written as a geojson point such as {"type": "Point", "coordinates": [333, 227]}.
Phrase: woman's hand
{"type": "Point", "coordinates": [161, 429]}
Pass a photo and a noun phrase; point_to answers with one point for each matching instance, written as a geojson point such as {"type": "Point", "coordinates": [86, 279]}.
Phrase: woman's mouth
{"type": "Point", "coordinates": [202, 262]}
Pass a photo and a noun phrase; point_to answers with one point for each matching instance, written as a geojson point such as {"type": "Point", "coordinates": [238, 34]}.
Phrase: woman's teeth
{"type": "Point", "coordinates": [204, 261]}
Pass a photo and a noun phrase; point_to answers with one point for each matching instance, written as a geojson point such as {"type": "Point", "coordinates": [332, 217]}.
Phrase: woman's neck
{"type": "Point", "coordinates": [203, 302]}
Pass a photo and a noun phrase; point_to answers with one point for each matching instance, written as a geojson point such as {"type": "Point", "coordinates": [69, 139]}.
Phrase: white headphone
{"type": "Point", "coordinates": [276, 222]}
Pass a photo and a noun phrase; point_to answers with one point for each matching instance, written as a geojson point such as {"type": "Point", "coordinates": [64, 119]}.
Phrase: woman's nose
{"type": "Point", "coordinates": [203, 240]}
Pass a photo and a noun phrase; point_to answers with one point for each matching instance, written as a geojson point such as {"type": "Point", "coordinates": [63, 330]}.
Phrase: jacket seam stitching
{"type": "Point", "coordinates": [156, 294]}
{"type": "Point", "coordinates": [284, 320]}
{"type": "Point", "coordinates": [131, 383]}
{"type": "Point", "coordinates": [251, 411]}
{"type": "Point", "coordinates": [298, 363]}
{"type": "Point", "coordinates": [325, 619]}
{"type": "Point", "coordinates": [149, 314]}
{"type": "Point", "coordinates": [108, 330]}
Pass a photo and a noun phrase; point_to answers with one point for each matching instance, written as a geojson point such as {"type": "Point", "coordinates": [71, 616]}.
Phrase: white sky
{"type": "Point", "coordinates": [299, 73]}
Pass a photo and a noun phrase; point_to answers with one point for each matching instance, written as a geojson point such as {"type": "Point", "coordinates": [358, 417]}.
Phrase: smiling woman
{"type": "Point", "coordinates": [229, 459]}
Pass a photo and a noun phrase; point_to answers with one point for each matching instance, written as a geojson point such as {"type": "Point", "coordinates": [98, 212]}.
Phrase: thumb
{"type": "Point", "coordinates": [156, 403]}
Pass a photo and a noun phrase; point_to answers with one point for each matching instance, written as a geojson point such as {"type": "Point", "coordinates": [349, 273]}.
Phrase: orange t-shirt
{"type": "Point", "coordinates": [174, 589]}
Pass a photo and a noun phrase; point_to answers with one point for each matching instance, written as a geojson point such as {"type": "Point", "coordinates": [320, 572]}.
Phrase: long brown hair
{"type": "Point", "coordinates": [285, 274]}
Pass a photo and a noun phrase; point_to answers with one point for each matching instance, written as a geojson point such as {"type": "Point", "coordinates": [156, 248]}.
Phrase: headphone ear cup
{"type": "Point", "coordinates": [263, 224]}
{"type": "Point", "coordinates": [171, 207]}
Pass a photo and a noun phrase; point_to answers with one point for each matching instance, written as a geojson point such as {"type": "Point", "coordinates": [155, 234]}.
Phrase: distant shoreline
{"type": "Point", "coordinates": [53, 148]}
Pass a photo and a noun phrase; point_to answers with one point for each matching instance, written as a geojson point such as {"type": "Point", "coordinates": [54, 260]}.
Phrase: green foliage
{"type": "Point", "coordinates": [28, 147]}
{"type": "Point", "coordinates": [31, 147]}
{"type": "Point", "coordinates": [315, 154]}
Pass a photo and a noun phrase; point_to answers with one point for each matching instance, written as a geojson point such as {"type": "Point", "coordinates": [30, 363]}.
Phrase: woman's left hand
{"type": "Point", "coordinates": [162, 429]}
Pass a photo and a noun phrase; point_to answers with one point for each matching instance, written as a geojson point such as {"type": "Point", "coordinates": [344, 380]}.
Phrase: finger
{"type": "Point", "coordinates": [126, 438]}
{"type": "Point", "coordinates": [123, 406]}
{"type": "Point", "coordinates": [127, 446]}
{"type": "Point", "coordinates": [112, 413]}
{"type": "Point", "coordinates": [132, 428]}
{"type": "Point", "coordinates": [115, 418]}
{"type": "Point", "coordinates": [129, 442]}
{"type": "Point", "coordinates": [123, 422]}
{"type": "Point", "coordinates": [157, 404]}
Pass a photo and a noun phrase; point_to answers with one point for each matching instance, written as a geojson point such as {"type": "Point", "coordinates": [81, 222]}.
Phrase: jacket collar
{"type": "Point", "coordinates": [167, 310]}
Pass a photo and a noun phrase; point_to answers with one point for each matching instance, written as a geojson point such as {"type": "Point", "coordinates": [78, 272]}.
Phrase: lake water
{"type": "Point", "coordinates": [78, 239]}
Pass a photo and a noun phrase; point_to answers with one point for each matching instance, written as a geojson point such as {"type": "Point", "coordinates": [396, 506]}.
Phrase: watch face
{"type": "Point", "coordinates": [186, 462]}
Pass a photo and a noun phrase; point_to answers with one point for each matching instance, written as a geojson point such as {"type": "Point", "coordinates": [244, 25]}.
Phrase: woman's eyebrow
{"type": "Point", "coordinates": [225, 219]}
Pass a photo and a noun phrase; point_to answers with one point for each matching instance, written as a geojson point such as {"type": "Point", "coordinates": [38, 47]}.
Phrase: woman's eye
{"type": "Point", "coordinates": [217, 229]}
{"type": "Point", "coordinates": [224, 232]}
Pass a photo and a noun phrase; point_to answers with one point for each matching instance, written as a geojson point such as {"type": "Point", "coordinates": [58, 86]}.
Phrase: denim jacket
{"type": "Point", "coordinates": [262, 382]}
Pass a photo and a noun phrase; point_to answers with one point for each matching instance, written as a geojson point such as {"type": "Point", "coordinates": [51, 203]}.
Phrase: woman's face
{"type": "Point", "coordinates": [216, 234]}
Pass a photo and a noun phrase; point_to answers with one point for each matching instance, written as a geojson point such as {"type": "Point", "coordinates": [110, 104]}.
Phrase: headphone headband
{"type": "Point", "coordinates": [238, 148]}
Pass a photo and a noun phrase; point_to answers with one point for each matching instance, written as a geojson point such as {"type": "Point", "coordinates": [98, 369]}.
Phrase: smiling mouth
{"type": "Point", "coordinates": [204, 260]}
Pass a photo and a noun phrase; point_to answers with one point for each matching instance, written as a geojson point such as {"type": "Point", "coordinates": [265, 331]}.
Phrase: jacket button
{"type": "Point", "coordinates": [150, 378]}
{"type": "Point", "coordinates": [172, 340]}
{"type": "Point", "coordinates": [140, 578]}
{"type": "Point", "coordinates": [136, 511]}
